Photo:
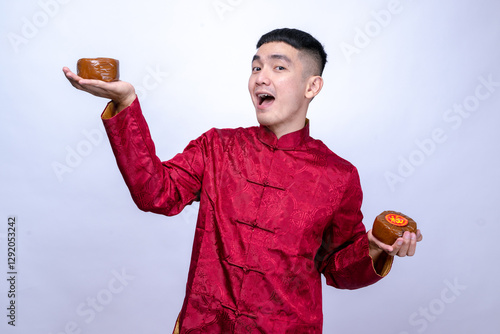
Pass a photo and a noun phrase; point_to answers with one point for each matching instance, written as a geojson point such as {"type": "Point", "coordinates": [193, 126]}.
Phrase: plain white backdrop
{"type": "Point", "coordinates": [411, 98]}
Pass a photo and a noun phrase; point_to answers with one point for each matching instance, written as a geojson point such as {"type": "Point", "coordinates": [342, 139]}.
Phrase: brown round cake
{"type": "Point", "coordinates": [390, 225]}
{"type": "Point", "coordinates": [106, 69]}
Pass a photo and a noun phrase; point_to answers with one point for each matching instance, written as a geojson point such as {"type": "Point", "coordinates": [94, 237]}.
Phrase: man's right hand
{"type": "Point", "coordinates": [120, 92]}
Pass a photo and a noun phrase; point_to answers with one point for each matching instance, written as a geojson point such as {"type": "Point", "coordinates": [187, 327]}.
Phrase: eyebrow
{"type": "Point", "coordinates": [273, 56]}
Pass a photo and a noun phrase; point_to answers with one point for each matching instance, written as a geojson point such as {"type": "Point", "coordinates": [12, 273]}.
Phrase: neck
{"type": "Point", "coordinates": [281, 130]}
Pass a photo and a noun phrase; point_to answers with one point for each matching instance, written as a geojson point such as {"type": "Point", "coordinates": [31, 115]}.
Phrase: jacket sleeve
{"type": "Point", "coordinates": [343, 257]}
{"type": "Point", "coordinates": [156, 186]}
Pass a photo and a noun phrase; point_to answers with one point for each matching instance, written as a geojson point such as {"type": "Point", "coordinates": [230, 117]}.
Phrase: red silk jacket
{"type": "Point", "coordinates": [274, 215]}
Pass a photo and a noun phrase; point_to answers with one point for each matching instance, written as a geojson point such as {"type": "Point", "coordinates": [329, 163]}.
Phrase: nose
{"type": "Point", "coordinates": [262, 78]}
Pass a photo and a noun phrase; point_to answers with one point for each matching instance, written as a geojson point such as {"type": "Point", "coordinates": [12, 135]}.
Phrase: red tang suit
{"type": "Point", "coordinates": [274, 215]}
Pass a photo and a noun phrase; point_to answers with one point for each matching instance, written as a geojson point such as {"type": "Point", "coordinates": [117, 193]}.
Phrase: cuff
{"type": "Point", "coordinates": [109, 111]}
{"type": "Point", "coordinates": [176, 329]}
{"type": "Point", "coordinates": [383, 265]}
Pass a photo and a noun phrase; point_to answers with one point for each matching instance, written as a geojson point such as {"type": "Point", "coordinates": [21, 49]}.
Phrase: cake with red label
{"type": "Point", "coordinates": [390, 225]}
{"type": "Point", "coordinates": [105, 69]}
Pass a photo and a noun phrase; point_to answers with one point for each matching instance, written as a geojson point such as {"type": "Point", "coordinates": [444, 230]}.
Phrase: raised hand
{"type": "Point", "coordinates": [120, 92]}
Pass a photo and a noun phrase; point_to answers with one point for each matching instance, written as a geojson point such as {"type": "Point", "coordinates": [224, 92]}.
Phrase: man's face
{"type": "Point", "coordinates": [277, 86]}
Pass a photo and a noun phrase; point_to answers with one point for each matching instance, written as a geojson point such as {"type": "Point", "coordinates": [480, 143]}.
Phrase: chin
{"type": "Point", "coordinates": [262, 119]}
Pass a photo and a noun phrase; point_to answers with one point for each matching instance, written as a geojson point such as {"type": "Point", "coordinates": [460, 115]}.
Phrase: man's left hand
{"type": "Point", "coordinates": [405, 246]}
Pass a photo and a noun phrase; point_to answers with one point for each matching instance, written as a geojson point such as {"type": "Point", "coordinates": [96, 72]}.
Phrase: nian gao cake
{"type": "Point", "coordinates": [106, 69]}
{"type": "Point", "coordinates": [390, 225]}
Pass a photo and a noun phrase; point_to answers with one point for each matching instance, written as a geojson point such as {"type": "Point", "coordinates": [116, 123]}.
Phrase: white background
{"type": "Point", "coordinates": [398, 72]}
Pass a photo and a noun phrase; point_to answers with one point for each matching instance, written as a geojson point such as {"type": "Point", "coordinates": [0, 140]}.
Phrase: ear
{"type": "Point", "coordinates": [313, 87]}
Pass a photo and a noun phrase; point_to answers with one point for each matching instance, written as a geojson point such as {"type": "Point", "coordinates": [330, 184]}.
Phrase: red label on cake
{"type": "Point", "coordinates": [397, 220]}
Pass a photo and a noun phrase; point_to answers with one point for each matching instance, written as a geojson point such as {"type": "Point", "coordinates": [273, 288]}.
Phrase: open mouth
{"type": "Point", "coordinates": [265, 99]}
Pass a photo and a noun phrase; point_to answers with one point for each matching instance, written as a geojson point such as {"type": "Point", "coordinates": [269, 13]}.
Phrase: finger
{"type": "Point", "coordinates": [96, 90]}
{"type": "Point", "coordinates": [82, 82]}
{"type": "Point", "coordinates": [386, 248]}
{"type": "Point", "coordinates": [93, 82]}
{"type": "Point", "coordinates": [75, 84]}
{"type": "Point", "coordinates": [394, 249]}
{"type": "Point", "coordinates": [97, 87]}
{"type": "Point", "coordinates": [419, 235]}
{"type": "Point", "coordinates": [70, 75]}
{"type": "Point", "coordinates": [413, 245]}
{"type": "Point", "coordinates": [403, 251]}
{"type": "Point", "coordinates": [73, 78]}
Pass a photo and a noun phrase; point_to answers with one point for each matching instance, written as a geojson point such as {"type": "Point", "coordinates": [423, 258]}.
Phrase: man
{"type": "Point", "coordinates": [277, 207]}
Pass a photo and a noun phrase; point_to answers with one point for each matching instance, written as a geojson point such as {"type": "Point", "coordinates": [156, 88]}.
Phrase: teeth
{"type": "Point", "coordinates": [264, 95]}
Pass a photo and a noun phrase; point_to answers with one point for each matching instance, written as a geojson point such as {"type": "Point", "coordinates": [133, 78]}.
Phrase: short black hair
{"type": "Point", "coordinates": [301, 41]}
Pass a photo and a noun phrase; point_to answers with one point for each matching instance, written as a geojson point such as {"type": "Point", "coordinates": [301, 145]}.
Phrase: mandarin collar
{"type": "Point", "coordinates": [290, 141]}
